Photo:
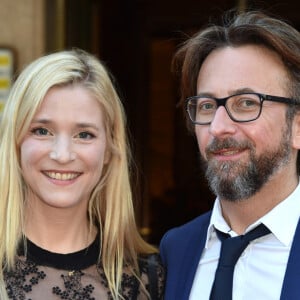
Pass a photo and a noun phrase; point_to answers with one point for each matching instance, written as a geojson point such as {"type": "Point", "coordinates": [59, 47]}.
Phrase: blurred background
{"type": "Point", "coordinates": [136, 39]}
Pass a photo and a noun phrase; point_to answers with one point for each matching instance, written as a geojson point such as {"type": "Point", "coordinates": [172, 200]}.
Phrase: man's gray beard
{"type": "Point", "coordinates": [234, 180]}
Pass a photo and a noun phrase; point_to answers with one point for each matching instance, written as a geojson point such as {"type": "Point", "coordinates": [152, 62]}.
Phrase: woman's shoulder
{"type": "Point", "coordinates": [151, 266]}
{"type": "Point", "coordinates": [151, 263]}
{"type": "Point", "coordinates": [150, 258]}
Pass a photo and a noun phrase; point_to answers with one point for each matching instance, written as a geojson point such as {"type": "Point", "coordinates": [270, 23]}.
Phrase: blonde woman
{"type": "Point", "coordinates": [67, 227]}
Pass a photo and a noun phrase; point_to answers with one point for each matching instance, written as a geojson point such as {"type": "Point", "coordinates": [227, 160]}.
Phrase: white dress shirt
{"type": "Point", "coordinates": [260, 270]}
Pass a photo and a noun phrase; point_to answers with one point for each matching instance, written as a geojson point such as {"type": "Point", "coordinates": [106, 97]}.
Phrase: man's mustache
{"type": "Point", "coordinates": [218, 144]}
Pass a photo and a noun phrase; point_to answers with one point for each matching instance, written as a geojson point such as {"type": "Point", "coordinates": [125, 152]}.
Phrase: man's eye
{"type": "Point", "coordinates": [248, 103]}
{"type": "Point", "coordinates": [204, 106]}
{"type": "Point", "coordinates": [40, 131]}
{"type": "Point", "coordinates": [86, 135]}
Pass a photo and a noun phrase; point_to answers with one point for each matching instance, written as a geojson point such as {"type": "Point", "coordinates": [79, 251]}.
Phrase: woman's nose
{"type": "Point", "coordinates": [62, 150]}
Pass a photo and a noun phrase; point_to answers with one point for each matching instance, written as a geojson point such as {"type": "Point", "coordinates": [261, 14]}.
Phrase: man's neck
{"type": "Point", "coordinates": [242, 213]}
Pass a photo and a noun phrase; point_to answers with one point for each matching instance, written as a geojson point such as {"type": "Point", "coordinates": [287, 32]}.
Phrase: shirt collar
{"type": "Point", "coordinates": [282, 220]}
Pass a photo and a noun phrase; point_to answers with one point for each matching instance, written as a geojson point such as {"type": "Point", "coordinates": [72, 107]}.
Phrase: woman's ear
{"type": "Point", "coordinates": [296, 131]}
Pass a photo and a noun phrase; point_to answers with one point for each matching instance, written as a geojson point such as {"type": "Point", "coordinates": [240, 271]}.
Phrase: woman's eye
{"type": "Point", "coordinates": [40, 131]}
{"type": "Point", "coordinates": [86, 135]}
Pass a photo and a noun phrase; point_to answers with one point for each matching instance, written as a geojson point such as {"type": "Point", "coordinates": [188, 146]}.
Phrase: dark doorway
{"type": "Point", "coordinates": [136, 39]}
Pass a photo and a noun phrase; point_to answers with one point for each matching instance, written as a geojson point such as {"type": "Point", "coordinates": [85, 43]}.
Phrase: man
{"type": "Point", "coordinates": [241, 82]}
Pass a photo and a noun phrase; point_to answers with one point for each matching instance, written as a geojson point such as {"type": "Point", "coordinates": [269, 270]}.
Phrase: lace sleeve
{"type": "Point", "coordinates": [152, 267]}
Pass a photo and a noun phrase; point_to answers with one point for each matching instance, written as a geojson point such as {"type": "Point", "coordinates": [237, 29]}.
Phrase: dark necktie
{"type": "Point", "coordinates": [231, 249]}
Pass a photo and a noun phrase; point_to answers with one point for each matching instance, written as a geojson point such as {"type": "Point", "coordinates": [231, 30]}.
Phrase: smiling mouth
{"type": "Point", "coordinates": [61, 176]}
{"type": "Point", "coordinates": [227, 152]}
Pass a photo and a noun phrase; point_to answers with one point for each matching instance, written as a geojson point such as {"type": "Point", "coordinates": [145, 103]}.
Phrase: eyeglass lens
{"type": "Point", "coordinates": [244, 107]}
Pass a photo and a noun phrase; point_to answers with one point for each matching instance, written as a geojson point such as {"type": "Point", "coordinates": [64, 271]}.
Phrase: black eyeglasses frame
{"type": "Point", "coordinates": [222, 102]}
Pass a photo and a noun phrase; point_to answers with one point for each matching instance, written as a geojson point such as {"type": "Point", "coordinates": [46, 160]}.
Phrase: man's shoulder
{"type": "Point", "coordinates": [189, 230]}
{"type": "Point", "coordinates": [202, 220]}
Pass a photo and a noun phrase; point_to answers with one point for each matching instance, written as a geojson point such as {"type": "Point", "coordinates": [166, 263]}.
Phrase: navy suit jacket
{"type": "Point", "coordinates": [181, 249]}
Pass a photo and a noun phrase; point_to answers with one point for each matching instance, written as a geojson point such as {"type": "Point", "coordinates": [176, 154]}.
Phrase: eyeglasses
{"type": "Point", "coordinates": [242, 107]}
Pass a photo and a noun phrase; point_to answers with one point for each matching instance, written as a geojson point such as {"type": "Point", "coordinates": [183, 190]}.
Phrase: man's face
{"type": "Point", "coordinates": [241, 158]}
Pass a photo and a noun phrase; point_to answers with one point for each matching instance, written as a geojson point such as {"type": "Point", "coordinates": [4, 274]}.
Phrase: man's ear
{"type": "Point", "coordinates": [296, 131]}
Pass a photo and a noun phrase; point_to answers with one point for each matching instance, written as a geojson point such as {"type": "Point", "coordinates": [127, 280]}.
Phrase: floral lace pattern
{"type": "Point", "coordinates": [34, 281]}
{"type": "Point", "coordinates": [73, 287]}
{"type": "Point", "coordinates": [25, 276]}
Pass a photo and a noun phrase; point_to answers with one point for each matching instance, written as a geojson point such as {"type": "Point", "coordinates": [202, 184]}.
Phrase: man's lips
{"type": "Point", "coordinates": [227, 149]}
{"type": "Point", "coordinates": [227, 152]}
{"type": "Point", "coordinates": [62, 175]}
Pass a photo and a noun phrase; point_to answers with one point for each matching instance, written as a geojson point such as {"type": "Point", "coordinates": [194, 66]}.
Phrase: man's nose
{"type": "Point", "coordinates": [222, 123]}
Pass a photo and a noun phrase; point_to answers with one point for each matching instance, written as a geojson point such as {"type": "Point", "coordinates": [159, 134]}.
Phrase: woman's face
{"type": "Point", "coordinates": [64, 150]}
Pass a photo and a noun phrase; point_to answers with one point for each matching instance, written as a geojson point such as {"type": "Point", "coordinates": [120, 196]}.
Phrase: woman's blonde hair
{"type": "Point", "coordinates": [110, 205]}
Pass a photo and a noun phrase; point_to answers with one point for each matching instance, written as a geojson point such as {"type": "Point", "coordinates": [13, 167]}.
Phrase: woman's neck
{"type": "Point", "coordinates": [59, 230]}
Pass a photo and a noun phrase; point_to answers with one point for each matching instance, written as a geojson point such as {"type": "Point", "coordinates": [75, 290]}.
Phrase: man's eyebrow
{"type": "Point", "coordinates": [205, 94]}
{"type": "Point", "coordinates": [231, 92]}
{"type": "Point", "coordinates": [242, 91]}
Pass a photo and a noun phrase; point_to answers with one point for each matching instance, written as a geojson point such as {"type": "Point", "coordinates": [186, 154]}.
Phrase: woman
{"type": "Point", "coordinates": [67, 228]}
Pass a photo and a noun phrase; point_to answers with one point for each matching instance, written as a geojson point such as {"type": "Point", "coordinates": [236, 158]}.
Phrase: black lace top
{"type": "Point", "coordinates": [44, 275]}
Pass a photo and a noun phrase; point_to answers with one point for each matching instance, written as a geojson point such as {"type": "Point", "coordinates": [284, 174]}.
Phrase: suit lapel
{"type": "Point", "coordinates": [191, 260]}
{"type": "Point", "coordinates": [291, 284]}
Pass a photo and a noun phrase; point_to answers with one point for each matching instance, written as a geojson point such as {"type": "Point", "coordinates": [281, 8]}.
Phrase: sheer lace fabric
{"type": "Point", "coordinates": [43, 275]}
